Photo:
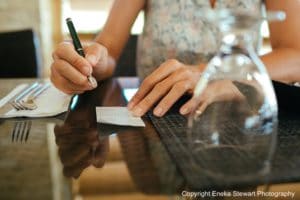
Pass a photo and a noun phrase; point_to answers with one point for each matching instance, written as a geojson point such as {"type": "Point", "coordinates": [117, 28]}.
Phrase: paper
{"type": "Point", "coordinates": [118, 116]}
{"type": "Point", "coordinates": [50, 103]}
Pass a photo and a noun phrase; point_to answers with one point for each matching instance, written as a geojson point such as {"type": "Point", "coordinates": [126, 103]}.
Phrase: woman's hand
{"type": "Point", "coordinates": [69, 70]}
{"type": "Point", "coordinates": [222, 90]}
{"type": "Point", "coordinates": [166, 85]}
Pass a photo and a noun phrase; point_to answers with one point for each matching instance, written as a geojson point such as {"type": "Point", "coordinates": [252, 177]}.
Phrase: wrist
{"type": "Point", "coordinates": [104, 70]}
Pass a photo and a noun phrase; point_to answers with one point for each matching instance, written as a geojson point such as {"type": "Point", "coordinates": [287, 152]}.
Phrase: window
{"type": "Point", "coordinates": [89, 16]}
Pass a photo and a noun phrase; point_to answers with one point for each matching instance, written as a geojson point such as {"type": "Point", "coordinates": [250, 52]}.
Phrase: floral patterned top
{"type": "Point", "coordinates": [173, 30]}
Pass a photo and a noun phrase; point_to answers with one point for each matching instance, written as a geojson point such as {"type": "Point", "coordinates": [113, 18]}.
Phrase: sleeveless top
{"type": "Point", "coordinates": [172, 29]}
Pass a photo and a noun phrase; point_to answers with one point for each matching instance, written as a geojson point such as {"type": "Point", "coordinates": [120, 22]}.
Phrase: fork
{"type": "Point", "coordinates": [21, 130]}
{"type": "Point", "coordinates": [15, 101]}
{"type": "Point", "coordinates": [29, 103]}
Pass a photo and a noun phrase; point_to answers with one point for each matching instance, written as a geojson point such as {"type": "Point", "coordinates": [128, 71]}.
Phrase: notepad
{"type": "Point", "coordinates": [118, 116]}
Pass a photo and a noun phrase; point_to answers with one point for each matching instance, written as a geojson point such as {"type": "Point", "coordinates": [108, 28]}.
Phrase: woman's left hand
{"type": "Point", "coordinates": [166, 84]}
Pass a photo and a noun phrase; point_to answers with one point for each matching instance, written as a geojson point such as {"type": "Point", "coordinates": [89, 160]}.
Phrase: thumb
{"type": "Point", "coordinates": [96, 54]}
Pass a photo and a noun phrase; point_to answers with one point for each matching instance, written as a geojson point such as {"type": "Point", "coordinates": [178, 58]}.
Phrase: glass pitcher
{"type": "Point", "coordinates": [233, 127]}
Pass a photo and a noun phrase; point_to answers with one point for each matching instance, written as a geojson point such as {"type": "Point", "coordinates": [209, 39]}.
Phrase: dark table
{"type": "Point", "coordinates": [30, 170]}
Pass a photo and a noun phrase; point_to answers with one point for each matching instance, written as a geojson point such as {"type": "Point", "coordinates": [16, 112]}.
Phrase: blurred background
{"type": "Point", "coordinates": [46, 18]}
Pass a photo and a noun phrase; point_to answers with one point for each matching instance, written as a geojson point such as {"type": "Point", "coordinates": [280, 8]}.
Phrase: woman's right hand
{"type": "Point", "coordinates": [69, 70]}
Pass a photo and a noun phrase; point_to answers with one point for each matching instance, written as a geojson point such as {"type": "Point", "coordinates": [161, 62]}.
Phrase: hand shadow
{"type": "Point", "coordinates": [79, 148]}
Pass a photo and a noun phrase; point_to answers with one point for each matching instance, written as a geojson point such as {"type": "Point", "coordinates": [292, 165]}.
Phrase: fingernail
{"type": "Point", "coordinates": [87, 70]}
{"type": "Point", "coordinates": [184, 111]}
{"type": "Point", "coordinates": [92, 81]}
{"type": "Point", "coordinates": [158, 112]}
{"type": "Point", "coordinates": [137, 112]}
{"type": "Point", "coordinates": [92, 59]}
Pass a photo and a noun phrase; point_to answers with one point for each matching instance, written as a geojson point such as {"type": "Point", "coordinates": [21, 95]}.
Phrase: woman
{"type": "Point", "coordinates": [173, 49]}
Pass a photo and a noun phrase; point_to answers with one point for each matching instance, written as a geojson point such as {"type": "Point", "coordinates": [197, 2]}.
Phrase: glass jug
{"type": "Point", "coordinates": [233, 127]}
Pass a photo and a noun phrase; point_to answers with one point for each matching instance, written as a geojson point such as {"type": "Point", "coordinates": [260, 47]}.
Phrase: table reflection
{"type": "Point", "coordinates": [82, 143]}
{"type": "Point", "coordinates": [79, 148]}
{"type": "Point", "coordinates": [129, 160]}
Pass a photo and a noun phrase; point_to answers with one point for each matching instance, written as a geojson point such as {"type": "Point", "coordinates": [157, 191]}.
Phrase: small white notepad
{"type": "Point", "coordinates": [118, 116]}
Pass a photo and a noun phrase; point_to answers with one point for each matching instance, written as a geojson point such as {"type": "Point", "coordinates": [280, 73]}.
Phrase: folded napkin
{"type": "Point", "coordinates": [50, 103]}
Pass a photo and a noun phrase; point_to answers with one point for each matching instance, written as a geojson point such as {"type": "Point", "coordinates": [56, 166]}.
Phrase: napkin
{"type": "Point", "coordinates": [118, 116]}
{"type": "Point", "coordinates": [50, 103]}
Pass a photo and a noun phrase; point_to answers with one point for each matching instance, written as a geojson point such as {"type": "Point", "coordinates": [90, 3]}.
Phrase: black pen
{"type": "Point", "coordinates": [78, 47]}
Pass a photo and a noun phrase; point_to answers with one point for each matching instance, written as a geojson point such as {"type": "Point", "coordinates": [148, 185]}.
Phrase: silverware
{"type": "Point", "coordinates": [9, 104]}
{"type": "Point", "coordinates": [29, 103]}
{"type": "Point", "coordinates": [21, 130]}
{"type": "Point", "coordinates": [16, 101]}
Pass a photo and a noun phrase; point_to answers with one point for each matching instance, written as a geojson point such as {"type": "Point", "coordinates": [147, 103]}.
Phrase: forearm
{"type": "Point", "coordinates": [110, 64]}
{"type": "Point", "coordinates": [283, 64]}
{"type": "Point", "coordinates": [116, 31]}
{"type": "Point", "coordinates": [106, 39]}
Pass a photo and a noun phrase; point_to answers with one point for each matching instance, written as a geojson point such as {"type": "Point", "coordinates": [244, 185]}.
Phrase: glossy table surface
{"type": "Point", "coordinates": [65, 145]}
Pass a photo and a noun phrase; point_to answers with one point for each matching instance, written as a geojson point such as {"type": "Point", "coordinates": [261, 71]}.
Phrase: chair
{"type": "Point", "coordinates": [19, 54]}
{"type": "Point", "coordinates": [126, 65]}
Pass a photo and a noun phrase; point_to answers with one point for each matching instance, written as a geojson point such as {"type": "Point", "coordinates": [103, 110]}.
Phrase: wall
{"type": "Point", "coordinates": [35, 14]}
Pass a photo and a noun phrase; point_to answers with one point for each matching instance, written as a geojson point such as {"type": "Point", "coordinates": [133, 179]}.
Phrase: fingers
{"type": "Point", "coordinates": [69, 70]}
{"type": "Point", "coordinates": [194, 104]}
{"type": "Point", "coordinates": [174, 86]}
{"type": "Point", "coordinates": [158, 92]}
{"type": "Point", "coordinates": [158, 75]}
{"type": "Point", "coordinates": [146, 103]}
{"type": "Point", "coordinates": [67, 86]}
{"type": "Point", "coordinates": [175, 93]}
{"type": "Point", "coordinates": [65, 51]}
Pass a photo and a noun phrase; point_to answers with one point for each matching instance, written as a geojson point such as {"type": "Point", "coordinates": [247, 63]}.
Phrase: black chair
{"type": "Point", "coordinates": [126, 65]}
{"type": "Point", "coordinates": [19, 54]}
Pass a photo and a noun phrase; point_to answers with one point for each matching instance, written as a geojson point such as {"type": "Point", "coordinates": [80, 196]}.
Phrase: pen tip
{"type": "Point", "coordinates": [68, 19]}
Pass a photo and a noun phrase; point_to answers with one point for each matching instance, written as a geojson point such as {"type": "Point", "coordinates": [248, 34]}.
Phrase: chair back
{"type": "Point", "coordinates": [126, 65]}
{"type": "Point", "coordinates": [19, 54]}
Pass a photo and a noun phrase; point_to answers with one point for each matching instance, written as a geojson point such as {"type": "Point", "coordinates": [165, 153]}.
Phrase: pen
{"type": "Point", "coordinates": [78, 47]}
